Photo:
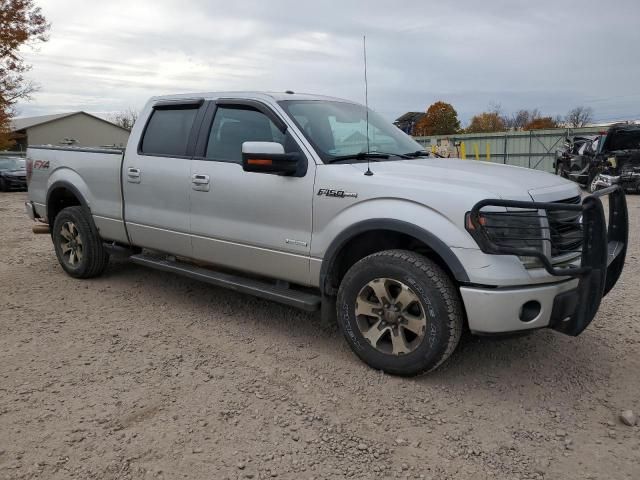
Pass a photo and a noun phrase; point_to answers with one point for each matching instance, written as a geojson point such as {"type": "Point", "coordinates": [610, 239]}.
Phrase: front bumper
{"type": "Point", "coordinates": [630, 180]}
{"type": "Point", "coordinates": [569, 306]}
{"type": "Point", "coordinates": [501, 310]}
{"type": "Point", "coordinates": [15, 183]}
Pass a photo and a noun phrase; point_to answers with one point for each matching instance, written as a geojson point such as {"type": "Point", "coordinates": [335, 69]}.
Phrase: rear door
{"type": "Point", "coordinates": [255, 222]}
{"type": "Point", "coordinates": [156, 178]}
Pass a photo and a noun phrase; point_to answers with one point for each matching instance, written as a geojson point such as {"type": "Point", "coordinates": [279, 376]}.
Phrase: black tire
{"type": "Point", "coordinates": [3, 185]}
{"type": "Point", "coordinates": [431, 286]}
{"type": "Point", "coordinates": [91, 258]}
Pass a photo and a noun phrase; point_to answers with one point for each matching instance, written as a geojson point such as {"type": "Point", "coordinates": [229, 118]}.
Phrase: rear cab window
{"type": "Point", "coordinates": [168, 130]}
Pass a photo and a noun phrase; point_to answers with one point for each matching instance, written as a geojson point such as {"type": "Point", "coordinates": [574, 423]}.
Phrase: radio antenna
{"type": "Point", "coordinates": [366, 104]}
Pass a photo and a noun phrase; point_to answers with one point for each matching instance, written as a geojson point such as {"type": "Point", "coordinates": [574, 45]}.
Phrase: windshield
{"type": "Point", "coordinates": [338, 129]}
{"type": "Point", "coordinates": [11, 163]}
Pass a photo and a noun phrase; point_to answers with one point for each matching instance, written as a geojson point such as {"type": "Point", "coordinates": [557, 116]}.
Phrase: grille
{"type": "Point", "coordinates": [565, 229]}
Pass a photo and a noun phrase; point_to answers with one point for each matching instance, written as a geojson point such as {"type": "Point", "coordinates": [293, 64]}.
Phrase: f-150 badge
{"type": "Point", "coordinates": [336, 193]}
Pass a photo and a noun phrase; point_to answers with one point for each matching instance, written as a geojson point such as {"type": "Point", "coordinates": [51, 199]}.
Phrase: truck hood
{"type": "Point", "coordinates": [500, 181]}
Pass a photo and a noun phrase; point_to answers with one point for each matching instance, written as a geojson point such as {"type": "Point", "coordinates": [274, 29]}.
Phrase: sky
{"type": "Point", "coordinates": [552, 55]}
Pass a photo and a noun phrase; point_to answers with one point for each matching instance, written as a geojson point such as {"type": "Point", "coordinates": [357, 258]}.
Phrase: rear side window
{"type": "Point", "coordinates": [168, 130]}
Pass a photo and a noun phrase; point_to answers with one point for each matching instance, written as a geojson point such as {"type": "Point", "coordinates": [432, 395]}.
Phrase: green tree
{"type": "Point", "coordinates": [441, 119]}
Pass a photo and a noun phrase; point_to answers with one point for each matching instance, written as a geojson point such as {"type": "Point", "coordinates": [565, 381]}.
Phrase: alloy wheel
{"type": "Point", "coordinates": [390, 316]}
{"type": "Point", "coordinates": [71, 244]}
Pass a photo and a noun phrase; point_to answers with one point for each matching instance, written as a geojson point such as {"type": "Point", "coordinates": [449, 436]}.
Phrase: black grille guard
{"type": "Point", "coordinates": [604, 248]}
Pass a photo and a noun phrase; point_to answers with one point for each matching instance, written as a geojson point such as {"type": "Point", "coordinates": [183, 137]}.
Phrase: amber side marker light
{"type": "Point", "coordinates": [259, 161]}
{"type": "Point", "coordinates": [469, 223]}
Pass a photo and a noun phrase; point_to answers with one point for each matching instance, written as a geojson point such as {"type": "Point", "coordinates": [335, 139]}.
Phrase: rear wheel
{"type": "Point", "coordinates": [3, 185]}
{"type": "Point", "coordinates": [78, 247]}
{"type": "Point", "coordinates": [400, 312]}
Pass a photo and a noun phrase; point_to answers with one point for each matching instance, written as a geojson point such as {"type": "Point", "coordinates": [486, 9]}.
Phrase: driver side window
{"type": "Point", "coordinates": [233, 126]}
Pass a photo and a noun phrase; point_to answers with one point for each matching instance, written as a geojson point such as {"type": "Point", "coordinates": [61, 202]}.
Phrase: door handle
{"type": "Point", "coordinates": [200, 182]}
{"type": "Point", "coordinates": [133, 175]}
{"type": "Point", "coordinates": [200, 179]}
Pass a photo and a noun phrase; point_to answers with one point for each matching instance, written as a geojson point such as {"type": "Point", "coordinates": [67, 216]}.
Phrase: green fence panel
{"type": "Point", "coordinates": [530, 149]}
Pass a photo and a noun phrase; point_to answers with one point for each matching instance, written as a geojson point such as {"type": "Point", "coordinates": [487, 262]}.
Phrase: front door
{"type": "Point", "coordinates": [255, 222]}
{"type": "Point", "coordinates": [156, 180]}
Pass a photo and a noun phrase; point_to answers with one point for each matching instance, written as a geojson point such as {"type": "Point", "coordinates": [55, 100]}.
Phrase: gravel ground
{"type": "Point", "coordinates": [142, 374]}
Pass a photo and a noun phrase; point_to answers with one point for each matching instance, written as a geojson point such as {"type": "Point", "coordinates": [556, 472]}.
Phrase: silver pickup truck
{"type": "Point", "coordinates": [312, 202]}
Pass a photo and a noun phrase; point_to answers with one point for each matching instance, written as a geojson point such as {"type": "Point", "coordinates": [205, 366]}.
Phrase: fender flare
{"type": "Point", "coordinates": [426, 237]}
{"type": "Point", "coordinates": [64, 184]}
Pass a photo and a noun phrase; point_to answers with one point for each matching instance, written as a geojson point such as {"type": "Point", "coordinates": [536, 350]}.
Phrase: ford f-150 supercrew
{"type": "Point", "coordinates": [310, 201]}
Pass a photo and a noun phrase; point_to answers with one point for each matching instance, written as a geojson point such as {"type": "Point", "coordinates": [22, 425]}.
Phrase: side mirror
{"type": "Point", "coordinates": [269, 157]}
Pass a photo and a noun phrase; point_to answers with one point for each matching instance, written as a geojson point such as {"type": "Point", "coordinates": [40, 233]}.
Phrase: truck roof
{"type": "Point", "coordinates": [277, 96]}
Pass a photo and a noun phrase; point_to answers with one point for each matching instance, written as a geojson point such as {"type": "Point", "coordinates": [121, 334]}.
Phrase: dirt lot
{"type": "Point", "coordinates": [142, 374]}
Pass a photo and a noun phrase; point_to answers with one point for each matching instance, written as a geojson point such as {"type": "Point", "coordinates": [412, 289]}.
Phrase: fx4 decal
{"type": "Point", "coordinates": [41, 164]}
{"type": "Point", "coordinates": [336, 193]}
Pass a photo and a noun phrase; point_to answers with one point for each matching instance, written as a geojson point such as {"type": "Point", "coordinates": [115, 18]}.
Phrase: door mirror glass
{"type": "Point", "coordinates": [269, 157]}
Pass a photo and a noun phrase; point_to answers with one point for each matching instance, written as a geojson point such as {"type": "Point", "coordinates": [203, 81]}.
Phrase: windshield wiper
{"type": "Point", "coordinates": [368, 156]}
{"type": "Point", "coordinates": [417, 153]}
{"type": "Point", "coordinates": [359, 156]}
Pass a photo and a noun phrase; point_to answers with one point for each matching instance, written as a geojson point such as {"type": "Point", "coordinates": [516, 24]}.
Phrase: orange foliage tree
{"type": "Point", "coordinates": [21, 24]}
{"type": "Point", "coordinates": [441, 119]}
{"type": "Point", "coordinates": [6, 141]}
{"type": "Point", "coordinates": [486, 122]}
{"type": "Point", "coordinates": [541, 123]}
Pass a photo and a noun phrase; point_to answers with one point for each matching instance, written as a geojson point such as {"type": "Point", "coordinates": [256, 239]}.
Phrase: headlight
{"type": "Point", "coordinates": [513, 229]}
{"type": "Point", "coordinates": [519, 229]}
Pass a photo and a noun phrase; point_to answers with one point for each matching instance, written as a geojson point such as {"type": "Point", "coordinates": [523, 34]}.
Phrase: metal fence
{"type": "Point", "coordinates": [532, 149]}
{"type": "Point", "coordinates": [13, 154]}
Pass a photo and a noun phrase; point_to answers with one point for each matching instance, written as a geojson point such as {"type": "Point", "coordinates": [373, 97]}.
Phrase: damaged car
{"type": "Point", "coordinates": [600, 161]}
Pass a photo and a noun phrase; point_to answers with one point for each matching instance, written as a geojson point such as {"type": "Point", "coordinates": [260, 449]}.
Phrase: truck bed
{"type": "Point", "coordinates": [94, 172]}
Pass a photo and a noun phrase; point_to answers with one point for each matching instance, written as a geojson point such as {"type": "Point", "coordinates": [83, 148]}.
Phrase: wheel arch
{"type": "Point", "coordinates": [62, 194]}
{"type": "Point", "coordinates": [374, 235]}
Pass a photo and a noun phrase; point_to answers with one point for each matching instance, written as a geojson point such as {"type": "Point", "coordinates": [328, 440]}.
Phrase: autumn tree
{"type": "Point", "coordinates": [6, 141]}
{"type": "Point", "coordinates": [125, 119]}
{"type": "Point", "coordinates": [486, 122]}
{"type": "Point", "coordinates": [21, 24]}
{"type": "Point", "coordinates": [441, 119]}
{"type": "Point", "coordinates": [579, 117]}
{"type": "Point", "coordinates": [541, 123]}
{"type": "Point", "coordinates": [532, 119]}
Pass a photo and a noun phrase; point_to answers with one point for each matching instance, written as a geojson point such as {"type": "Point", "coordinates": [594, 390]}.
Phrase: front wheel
{"type": "Point", "coordinates": [400, 312]}
{"type": "Point", "coordinates": [78, 246]}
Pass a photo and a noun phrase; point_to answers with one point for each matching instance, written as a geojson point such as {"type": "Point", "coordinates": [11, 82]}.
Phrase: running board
{"type": "Point", "coordinates": [287, 296]}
